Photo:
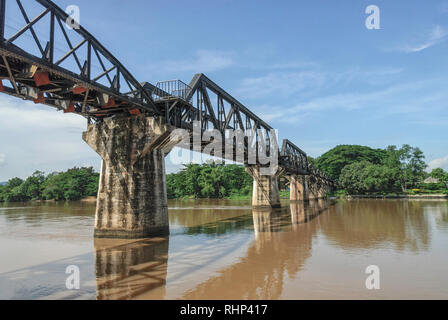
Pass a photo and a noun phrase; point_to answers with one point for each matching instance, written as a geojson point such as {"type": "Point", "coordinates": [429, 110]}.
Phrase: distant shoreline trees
{"type": "Point", "coordinates": [363, 170]}
{"type": "Point", "coordinates": [209, 180]}
{"type": "Point", "coordinates": [357, 170]}
{"type": "Point", "coordinates": [73, 184]}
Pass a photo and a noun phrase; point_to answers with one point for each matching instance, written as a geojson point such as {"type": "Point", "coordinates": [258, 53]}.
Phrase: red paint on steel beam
{"type": "Point", "coordinates": [78, 90]}
{"type": "Point", "coordinates": [134, 111]}
{"type": "Point", "coordinates": [41, 78]}
{"type": "Point", "coordinates": [110, 104]}
{"type": "Point", "coordinates": [40, 98]}
{"type": "Point", "coordinates": [70, 108]}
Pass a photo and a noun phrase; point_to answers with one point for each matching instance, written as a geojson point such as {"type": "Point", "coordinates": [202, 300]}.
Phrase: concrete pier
{"type": "Point", "coordinates": [312, 187]}
{"type": "Point", "coordinates": [321, 192]}
{"type": "Point", "coordinates": [132, 199]}
{"type": "Point", "coordinates": [298, 188]}
{"type": "Point", "coordinates": [265, 189]}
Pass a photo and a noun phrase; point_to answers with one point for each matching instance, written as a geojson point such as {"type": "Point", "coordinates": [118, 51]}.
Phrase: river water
{"type": "Point", "coordinates": [222, 249]}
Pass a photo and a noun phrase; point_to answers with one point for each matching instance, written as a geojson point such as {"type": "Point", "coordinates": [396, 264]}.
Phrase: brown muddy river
{"type": "Point", "coordinates": [221, 249]}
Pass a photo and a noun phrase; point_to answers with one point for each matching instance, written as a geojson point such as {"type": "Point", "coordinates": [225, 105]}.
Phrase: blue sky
{"type": "Point", "coordinates": [310, 68]}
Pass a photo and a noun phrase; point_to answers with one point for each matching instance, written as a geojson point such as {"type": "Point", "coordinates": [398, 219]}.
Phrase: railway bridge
{"type": "Point", "coordinates": [133, 125]}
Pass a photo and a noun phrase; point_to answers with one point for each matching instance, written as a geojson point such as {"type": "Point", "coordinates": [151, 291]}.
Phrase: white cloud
{"type": "Point", "coordinates": [439, 163]}
{"type": "Point", "coordinates": [37, 137]}
{"type": "Point", "coordinates": [203, 61]}
{"type": "Point", "coordinates": [309, 81]}
{"type": "Point", "coordinates": [18, 115]}
{"type": "Point", "coordinates": [384, 102]}
{"type": "Point", "coordinates": [437, 35]}
{"type": "Point", "coordinates": [280, 84]}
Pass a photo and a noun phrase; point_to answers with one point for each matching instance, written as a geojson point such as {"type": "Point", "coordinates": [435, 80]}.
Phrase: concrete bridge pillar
{"type": "Point", "coordinates": [298, 188]}
{"type": "Point", "coordinates": [313, 187]}
{"type": "Point", "coordinates": [132, 199]}
{"type": "Point", "coordinates": [265, 192]}
{"type": "Point", "coordinates": [321, 192]}
{"type": "Point", "coordinates": [324, 189]}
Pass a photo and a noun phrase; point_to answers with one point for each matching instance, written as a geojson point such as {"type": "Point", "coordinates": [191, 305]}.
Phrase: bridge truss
{"type": "Point", "coordinates": [67, 68]}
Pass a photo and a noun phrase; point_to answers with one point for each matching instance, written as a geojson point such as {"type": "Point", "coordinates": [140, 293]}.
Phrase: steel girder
{"type": "Point", "coordinates": [293, 159]}
{"type": "Point", "coordinates": [65, 80]}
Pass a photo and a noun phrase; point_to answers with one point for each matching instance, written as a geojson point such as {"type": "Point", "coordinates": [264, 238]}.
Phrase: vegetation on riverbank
{"type": "Point", "coordinates": [73, 184]}
{"type": "Point", "coordinates": [209, 180]}
{"type": "Point", "coordinates": [361, 170]}
{"type": "Point", "coordinates": [358, 170]}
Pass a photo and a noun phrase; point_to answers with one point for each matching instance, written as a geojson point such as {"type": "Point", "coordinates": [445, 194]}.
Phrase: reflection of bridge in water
{"type": "Point", "coordinates": [259, 253]}
{"type": "Point", "coordinates": [130, 124]}
{"type": "Point", "coordinates": [282, 245]}
{"type": "Point", "coordinates": [138, 269]}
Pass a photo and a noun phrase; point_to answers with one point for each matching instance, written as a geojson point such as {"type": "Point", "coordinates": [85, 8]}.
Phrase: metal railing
{"type": "Point", "coordinates": [171, 88]}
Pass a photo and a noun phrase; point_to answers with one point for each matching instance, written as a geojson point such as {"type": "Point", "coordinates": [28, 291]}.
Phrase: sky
{"type": "Point", "coordinates": [309, 68]}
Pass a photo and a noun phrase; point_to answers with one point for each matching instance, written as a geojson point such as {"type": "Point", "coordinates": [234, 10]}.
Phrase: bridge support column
{"type": "Point", "coordinates": [132, 199]}
{"type": "Point", "coordinates": [324, 189]}
{"type": "Point", "coordinates": [265, 192]}
{"type": "Point", "coordinates": [313, 187]}
{"type": "Point", "coordinates": [297, 188]}
{"type": "Point", "coordinates": [321, 193]}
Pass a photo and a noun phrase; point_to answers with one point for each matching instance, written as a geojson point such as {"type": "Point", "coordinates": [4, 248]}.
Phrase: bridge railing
{"type": "Point", "coordinates": [170, 89]}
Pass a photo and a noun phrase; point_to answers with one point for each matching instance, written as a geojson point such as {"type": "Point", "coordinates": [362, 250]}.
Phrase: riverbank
{"type": "Point", "coordinates": [398, 196]}
{"type": "Point", "coordinates": [284, 194]}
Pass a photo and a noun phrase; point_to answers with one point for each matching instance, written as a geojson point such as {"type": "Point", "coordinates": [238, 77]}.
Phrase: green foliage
{"type": "Point", "coordinates": [394, 170]}
{"type": "Point", "coordinates": [432, 186]}
{"type": "Point", "coordinates": [408, 165]}
{"type": "Point", "coordinates": [440, 174]}
{"type": "Point", "coordinates": [365, 177]}
{"type": "Point", "coordinates": [284, 194]}
{"type": "Point", "coordinates": [333, 161]}
{"type": "Point", "coordinates": [311, 161]}
{"type": "Point", "coordinates": [73, 184]}
{"type": "Point", "coordinates": [209, 180]}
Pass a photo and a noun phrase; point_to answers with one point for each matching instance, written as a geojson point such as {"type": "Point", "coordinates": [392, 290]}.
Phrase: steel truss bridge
{"type": "Point", "coordinates": [85, 78]}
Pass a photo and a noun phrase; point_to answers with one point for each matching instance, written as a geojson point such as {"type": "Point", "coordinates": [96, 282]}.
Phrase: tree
{"type": "Point", "coordinates": [407, 163]}
{"type": "Point", "coordinates": [33, 185]}
{"type": "Point", "coordinates": [440, 174]}
{"type": "Point", "coordinates": [333, 161]}
{"type": "Point", "coordinates": [14, 182]}
{"type": "Point", "coordinates": [74, 184]}
{"type": "Point", "coordinates": [12, 191]}
{"type": "Point", "coordinates": [365, 177]}
{"type": "Point", "coordinates": [209, 180]}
